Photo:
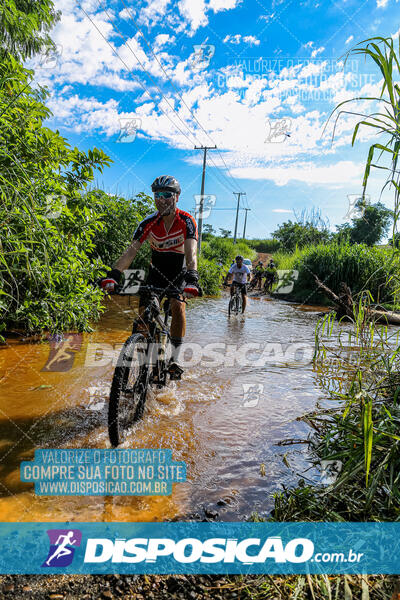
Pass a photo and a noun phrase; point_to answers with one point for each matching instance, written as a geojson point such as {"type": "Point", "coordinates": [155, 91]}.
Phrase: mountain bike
{"type": "Point", "coordinates": [235, 301]}
{"type": "Point", "coordinates": [269, 282]}
{"type": "Point", "coordinates": [142, 363]}
{"type": "Point", "coordinates": [255, 282]}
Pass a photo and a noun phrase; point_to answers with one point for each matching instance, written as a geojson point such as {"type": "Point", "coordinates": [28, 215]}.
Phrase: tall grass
{"type": "Point", "coordinates": [384, 120]}
{"type": "Point", "coordinates": [363, 268]}
{"type": "Point", "coordinates": [360, 427]}
{"type": "Point", "coordinates": [287, 260]}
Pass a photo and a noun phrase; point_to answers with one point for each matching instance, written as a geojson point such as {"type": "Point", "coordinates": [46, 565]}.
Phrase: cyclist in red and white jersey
{"type": "Point", "coordinates": [172, 234]}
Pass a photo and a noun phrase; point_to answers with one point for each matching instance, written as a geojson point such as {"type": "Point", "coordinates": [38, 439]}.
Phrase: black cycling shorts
{"type": "Point", "coordinates": [241, 286]}
{"type": "Point", "coordinates": [164, 281]}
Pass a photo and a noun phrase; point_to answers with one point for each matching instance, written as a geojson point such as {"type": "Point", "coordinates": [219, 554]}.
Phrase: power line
{"type": "Point", "coordinates": [232, 187]}
{"type": "Point", "coordinates": [151, 77]}
{"type": "Point", "coordinates": [137, 78]}
{"type": "Point", "coordinates": [165, 72]}
{"type": "Point", "coordinates": [161, 92]}
{"type": "Point", "coordinates": [174, 86]}
{"type": "Point", "coordinates": [216, 171]}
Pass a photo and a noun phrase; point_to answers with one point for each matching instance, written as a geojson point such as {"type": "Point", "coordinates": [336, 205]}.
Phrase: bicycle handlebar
{"type": "Point", "coordinates": [168, 291]}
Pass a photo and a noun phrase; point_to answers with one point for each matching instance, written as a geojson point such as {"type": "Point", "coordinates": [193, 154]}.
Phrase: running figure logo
{"type": "Point", "coordinates": [62, 352]}
{"type": "Point", "coordinates": [62, 547]}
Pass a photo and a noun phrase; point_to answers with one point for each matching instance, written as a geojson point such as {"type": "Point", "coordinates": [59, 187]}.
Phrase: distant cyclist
{"type": "Point", "coordinates": [173, 239]}
{"type": "Point", "coordinates": [271, 275]}
{"type": "Point", "coordinates": [258, 273]}
{"type": "Point", "coordinates": [240, 273]}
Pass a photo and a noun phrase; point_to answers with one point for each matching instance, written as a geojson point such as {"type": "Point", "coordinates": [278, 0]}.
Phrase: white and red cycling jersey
{"type": "Point", "coordinates": [167, 247]}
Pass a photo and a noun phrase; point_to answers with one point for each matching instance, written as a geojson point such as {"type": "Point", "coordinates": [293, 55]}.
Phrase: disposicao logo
{"type": "Point", "coordinates": [62, 547]}
{"type": "Point", "coordinates": [189, 550]}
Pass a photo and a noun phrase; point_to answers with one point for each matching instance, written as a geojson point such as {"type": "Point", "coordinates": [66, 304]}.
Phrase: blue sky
{"type": "Point", "coordinates": [263, 70]}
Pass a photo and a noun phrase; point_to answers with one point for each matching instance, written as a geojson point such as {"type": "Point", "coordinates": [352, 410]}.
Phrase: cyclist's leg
{"type": "Point", "coordinates": [244, 297]}
{"type": "Point", "coordinates": [178, 319]}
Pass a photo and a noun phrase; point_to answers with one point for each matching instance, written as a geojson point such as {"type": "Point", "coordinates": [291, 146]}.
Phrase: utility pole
{"type": "Point", "coordinates": [204, 148]}
{"type": "Point", "coordinates": [245, 221]}
{"type": "Point", "coordinates": [238, 194]}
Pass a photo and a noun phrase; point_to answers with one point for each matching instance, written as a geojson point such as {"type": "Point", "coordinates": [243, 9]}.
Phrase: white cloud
{"type": "Point", "coordinates": [218, 5]}
{"type": "Point", "coordinates": [124, 14]}
{"type": "Point", "coordinates": [252, 40]}
{"type": "Point", "coordinates": [333, 175]}
{"type": "Point", "coordinates": [153, 12]}
{"type": "Point", "coordinates": [238, 39]}
{"type": "Point", "coordinates": [281, 210]}
{"type": "Point", "coordinates": [349, 39]}
{"type": "Point", "coordinates": [232, 39]}
{"type": "Point", "coordinates": [317, 51]}
{"type": "Point", "coordinates": [381, 3]}
{"type": "Point", "coordinates": [311, 46]}
{"type": "Point", "coordinates": [162, 40]}
{"type": "Point", "coordinates": [236, 112]}
{"type": "Point", "coordinates": [194, 13]}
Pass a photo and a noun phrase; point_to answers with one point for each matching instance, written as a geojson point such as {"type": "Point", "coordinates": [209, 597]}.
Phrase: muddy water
{"type": "Point", "coordinates": [227, 437]}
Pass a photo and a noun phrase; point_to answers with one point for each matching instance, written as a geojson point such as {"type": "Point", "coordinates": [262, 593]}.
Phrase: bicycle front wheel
{"type": "Point", "coordinates": [128, 389]}
{"type": "Point", "coordinates": [231, 306]}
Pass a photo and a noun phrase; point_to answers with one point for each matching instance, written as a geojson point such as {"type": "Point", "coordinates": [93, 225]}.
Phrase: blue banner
{"type": "Point", "coordinates": [190, 548]}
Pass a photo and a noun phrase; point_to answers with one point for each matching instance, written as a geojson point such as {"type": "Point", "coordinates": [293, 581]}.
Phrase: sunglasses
{"type": "Point", "coordinates": [166, 195]}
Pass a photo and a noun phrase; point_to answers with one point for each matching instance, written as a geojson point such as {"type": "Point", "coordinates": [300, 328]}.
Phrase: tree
{"type": "Point", "coordinates": [208, 229]}
{"type": "Point", "coordinates": [225, 233]}
{"type": "Point", "coordinates": [47, 223]}
{"type": "Point", "coordinates": [120, 217]}
{"type": "Point", "coordinates": [25, 26]}
{"type": "Point", "coordinates": [372, 225]}
{"type": "Point", "coordinates": [396, 243]}
{"type": "Point", "coordinates": [292, 234]}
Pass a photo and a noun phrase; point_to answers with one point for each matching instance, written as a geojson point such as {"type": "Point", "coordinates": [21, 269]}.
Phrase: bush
{"type": "Point", "coordinates": [47, 223]}
{"type": "Point", "coordinates": [210, 276]}
{"type": "Point", "coordinates": [360, 266]}
{"type": "Point", "coordinates": [120, 217]}
{"type": "Point", "coordinates": [268, 245]}
{"type": "Point", "coordinates": [291, 234]}
{"type": "Point", "coordinates": [224, 250]}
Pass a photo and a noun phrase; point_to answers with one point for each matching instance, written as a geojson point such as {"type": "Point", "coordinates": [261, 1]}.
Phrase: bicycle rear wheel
{"type": "Point", "coordinates": [128, 389]}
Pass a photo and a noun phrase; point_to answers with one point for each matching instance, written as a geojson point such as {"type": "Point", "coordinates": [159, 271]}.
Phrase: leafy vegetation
{"type": "Point", "coordinates": [361, 267]}
{"type": "Point", "coordinates": [369, 228]}
{"type": "Point", "coordinates": [360, 429]}
{"type": "Point", "coordinates": [120, 217]}
{"type": "Point", "coordinates": [384, 122]}
{"type": "Point", "coordinates": [221, 249]}
{"type": "Point", "coordinates": [25, 26]}
{"type": "Point", "coordinates": [268, 245]}
{"type": "Point", "coordinates": [47, 224]}
{"type": "Point", "coordinates": [291, 235]}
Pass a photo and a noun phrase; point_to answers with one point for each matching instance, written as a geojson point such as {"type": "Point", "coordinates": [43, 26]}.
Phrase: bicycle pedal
{"type": "Point", "coordinates": [175, 372]}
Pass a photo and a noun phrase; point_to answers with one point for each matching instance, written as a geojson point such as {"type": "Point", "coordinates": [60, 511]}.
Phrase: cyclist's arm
{"type": "Point", "coordinates": [228, 275]}
{"type": "Point", "coordinates": [126, 259]}
{"type": "Point", "coordinates": [191, 253]}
